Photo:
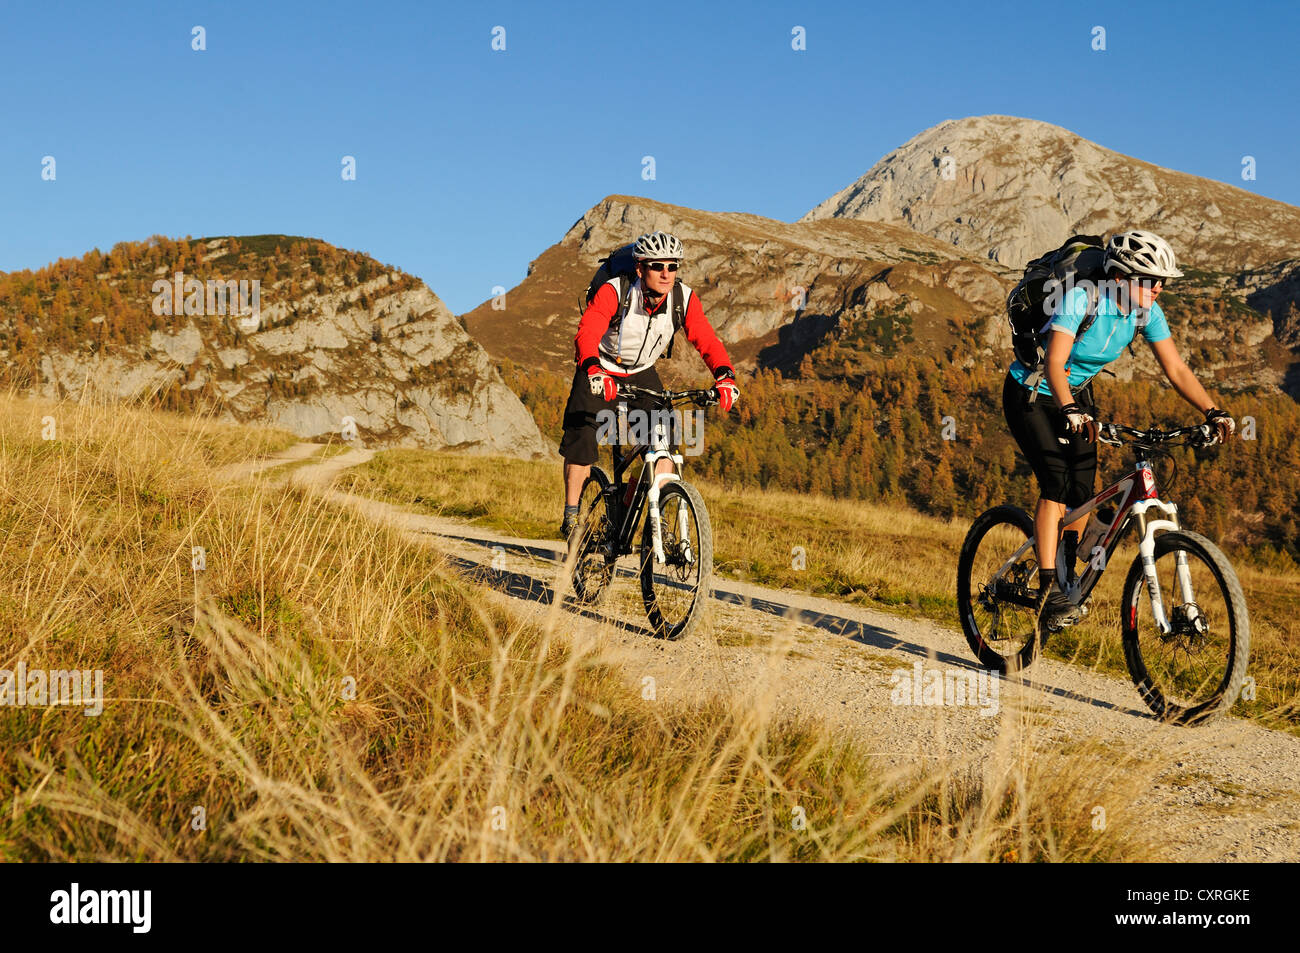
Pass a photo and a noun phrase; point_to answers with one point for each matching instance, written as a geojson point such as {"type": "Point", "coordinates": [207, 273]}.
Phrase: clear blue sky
{"type": "Point", "coordinates": [471, 162]}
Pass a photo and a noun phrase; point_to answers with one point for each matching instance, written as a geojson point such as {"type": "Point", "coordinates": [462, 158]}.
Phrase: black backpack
{"type": "Point", "coordinates": [620, 265]}
{"type": "Point", "coordinates": [1080, 261]}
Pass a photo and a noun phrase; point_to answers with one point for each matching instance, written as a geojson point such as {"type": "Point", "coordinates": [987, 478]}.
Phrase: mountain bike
{"type": "Point", "coordinates": [676, 540]}
{"type": "Point", "coordinates": [1186, 632]}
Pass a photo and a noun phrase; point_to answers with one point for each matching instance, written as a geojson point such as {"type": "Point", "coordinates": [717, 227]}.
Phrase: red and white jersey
{"type": "Point", "coordinates": [641, 337]}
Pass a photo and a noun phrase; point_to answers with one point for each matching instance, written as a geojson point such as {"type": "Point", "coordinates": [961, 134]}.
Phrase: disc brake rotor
{"type": "Point", "coordinates": [1189, 626]}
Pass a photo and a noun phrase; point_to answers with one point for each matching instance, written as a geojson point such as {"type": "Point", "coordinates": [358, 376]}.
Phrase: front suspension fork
{"type": "Point", "coordinates": [1147, 549]}
{"type": "Point", "coordinates": [652, 500]}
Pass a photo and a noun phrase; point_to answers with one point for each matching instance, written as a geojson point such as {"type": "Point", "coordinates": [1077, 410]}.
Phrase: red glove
{"type": "Point", "coordinates": [601, 383]}
{"type": "Point", "coordinates": [728, 393]}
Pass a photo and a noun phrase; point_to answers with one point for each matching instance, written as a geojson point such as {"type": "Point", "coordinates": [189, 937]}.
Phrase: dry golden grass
{"type": "Point", "coordinates": [469, 736]}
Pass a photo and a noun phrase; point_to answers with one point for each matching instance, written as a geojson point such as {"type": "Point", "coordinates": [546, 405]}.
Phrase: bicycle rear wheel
{"type": "Point", "coordinates": [675, 591]}
{"type": "Point", "coordinates": [997, 597]}
{"type": "Point", "coordinates": [591, 543]}
{"type": "Point", "coordinates": [1195, 671]}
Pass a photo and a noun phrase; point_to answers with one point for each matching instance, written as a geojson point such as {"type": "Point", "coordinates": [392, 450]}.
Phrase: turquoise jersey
{"type": "Point", "coordinates": [1102, 343]}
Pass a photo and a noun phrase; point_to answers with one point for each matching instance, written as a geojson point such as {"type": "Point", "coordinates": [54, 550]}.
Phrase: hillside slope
{"type": "Point", "coordinates": [871, 291]}
{"type": "Point", "coordinates": [748, 272]}
{"type": "Point", "coordinates": [336, 336]}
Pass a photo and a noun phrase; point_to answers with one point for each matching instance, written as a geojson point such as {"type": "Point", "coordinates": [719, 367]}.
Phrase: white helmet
{"type": "Point", "coordinates": [657, 245]}
{"type": "Point", "coordinates": [1141, 254]}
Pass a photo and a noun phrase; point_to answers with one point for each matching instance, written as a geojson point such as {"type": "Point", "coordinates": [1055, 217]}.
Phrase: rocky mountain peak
{"type": "Point", "coordinates": [1008, 188]}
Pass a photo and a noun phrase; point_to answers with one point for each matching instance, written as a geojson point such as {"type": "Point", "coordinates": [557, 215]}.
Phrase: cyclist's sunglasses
{"type": "Point", "coordinates": [1148, 281]}
{"type": "Point", "coordinates": [661, 265]}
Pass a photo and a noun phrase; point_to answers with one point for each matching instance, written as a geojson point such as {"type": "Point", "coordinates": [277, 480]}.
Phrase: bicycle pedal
{"type": "Point", "coordinates": [1064, 621]}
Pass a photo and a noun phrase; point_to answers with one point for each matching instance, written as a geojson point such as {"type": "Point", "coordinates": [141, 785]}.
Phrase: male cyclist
{"type": "Point", "coordinates": [1059, 439]}
{"type": "Point", "coordinates": [610, 353]}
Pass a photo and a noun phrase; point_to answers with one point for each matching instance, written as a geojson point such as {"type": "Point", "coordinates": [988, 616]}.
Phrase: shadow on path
{"type": "Point", "coordinates": [523, 586]}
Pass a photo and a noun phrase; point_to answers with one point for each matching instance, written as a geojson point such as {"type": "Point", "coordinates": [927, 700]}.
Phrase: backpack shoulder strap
{"type": "Point", "coordinates": [624, 298]}
{"type": "Point", "coordinates": [677, 308]}
{"type": "Point", "coordinates": [1089, 316]}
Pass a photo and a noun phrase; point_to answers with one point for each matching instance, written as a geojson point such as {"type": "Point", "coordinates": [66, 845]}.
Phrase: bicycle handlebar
{"type": "Point", "coordinates": [1198, 435]}
{"type": "Point", "coordinates": [702, 397]}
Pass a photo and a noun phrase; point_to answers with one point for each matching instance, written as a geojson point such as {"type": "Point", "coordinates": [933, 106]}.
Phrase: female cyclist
{"type": "Point", "coordinates": [1058, 435]}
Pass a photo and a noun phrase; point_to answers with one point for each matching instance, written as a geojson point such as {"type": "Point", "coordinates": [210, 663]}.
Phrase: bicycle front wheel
{"type": "Point", "coordinates": [997, 595]}
{"type": "Point", "coordinates": [676, 590]}
{"type": "Point", "coordinates": [1195, 670]}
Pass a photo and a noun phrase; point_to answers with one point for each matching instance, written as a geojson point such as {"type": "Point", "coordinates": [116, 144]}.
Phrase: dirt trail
{"type": "Point", "coordinates": [249, 468]}
{"type": "Point", "coordinates": [1227, 791]}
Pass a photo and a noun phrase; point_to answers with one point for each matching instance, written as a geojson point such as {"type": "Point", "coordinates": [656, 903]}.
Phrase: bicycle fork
{"type": "Point", "coordinates": [1147, 549]}
{"type": "Point", "coordinates": [652, 500]}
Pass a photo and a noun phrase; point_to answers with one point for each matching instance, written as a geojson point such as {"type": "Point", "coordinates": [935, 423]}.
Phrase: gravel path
{"type": "Point", "coordinates": [1225, 791]}
{"type": "Point", "coordinates": [246, 469]}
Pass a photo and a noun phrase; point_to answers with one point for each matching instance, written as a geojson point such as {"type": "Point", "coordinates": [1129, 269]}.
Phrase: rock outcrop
{"type": "Point", "coordinates": [384, 356]}
{"type": "Point", "coordinates": [1005, 188]}
{"type": "Point", "coordinates": [1275, 290]}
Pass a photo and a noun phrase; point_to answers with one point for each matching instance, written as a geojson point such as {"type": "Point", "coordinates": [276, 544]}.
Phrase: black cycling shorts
{"type": "Point", "coordinates": [579, 444]}
{"type": "Point", "coordinates": [1064, 463]}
